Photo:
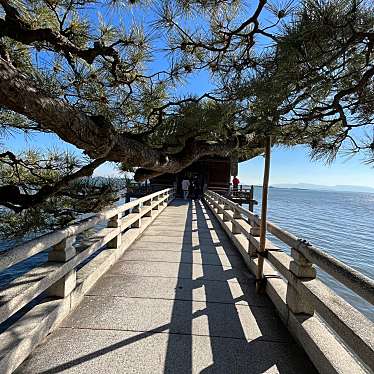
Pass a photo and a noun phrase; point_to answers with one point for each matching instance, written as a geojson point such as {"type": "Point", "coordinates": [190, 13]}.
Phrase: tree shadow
{"type": "Point", "coordinates": [227, 358]}
{"type": "Point", "coordinates": [172, 353]}
{"type": "Point", "coordinates": [230, 346]}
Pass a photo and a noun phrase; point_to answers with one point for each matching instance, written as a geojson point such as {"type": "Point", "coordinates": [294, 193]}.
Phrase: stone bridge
{"type": "Point", "coordinates": [167, 286]}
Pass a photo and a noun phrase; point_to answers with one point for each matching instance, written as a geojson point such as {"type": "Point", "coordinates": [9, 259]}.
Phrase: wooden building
{"type": "Point", "coordinates": [213, 173]}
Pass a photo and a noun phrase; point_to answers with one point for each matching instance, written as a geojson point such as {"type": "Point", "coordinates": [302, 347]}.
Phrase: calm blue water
{"type": "Point", "coordinates": [340, 223]}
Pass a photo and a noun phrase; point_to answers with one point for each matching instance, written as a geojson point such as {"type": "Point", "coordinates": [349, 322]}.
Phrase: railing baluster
{"type": "Point", "coordinates": [226, 217]}
{"type": "Point", "coordinates": [59, 278]}
{"type": "Point", "coordinates": [235, 224]}
{"type": "Point", "coordinates": [307, 299]}
{"type": "Point", "coordinates": [156, 199]}
{"type": "Point", "coordinates": [254, 231]}
{"type": "Point", "coordinates": [146, 204]}
{"type": "Point", "coordinates": [138, 222]}
{"type": "Point", "coordinates": [62, 252]}
{"type": "Point", "coordinates": [302, 271]}
{"type": "Point", "coordinates": [115, 222]}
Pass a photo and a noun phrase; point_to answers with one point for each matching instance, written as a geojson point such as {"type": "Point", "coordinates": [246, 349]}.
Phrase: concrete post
{"type": "Point", "coordinates": [115, 222]}
{"type": "Point", "coordinates": [138, 222]}
{"type": "Point", "coordinates": [220, 210]}
{"type": "Point", "coordinates": [219, 205]}
{"type": "Point", "coordinates": [226, 217]}
{"type": "Point", "coordinates": [148, 203]}
{"type": "Point", "coordinates": [252, 220]}
{"type": "Point", "coordinates": [63, 252]}
{"type": "Point", "coordinates": [211, 202]}
{"type": "Point", "coordinates": [254, 231]}
{"type": "Point", "coordinates": [302, 271]}
{"type": "Point", "coordinates": [252, 250]}
{"type": "Point", "coordinates": [235, 224]}
{"type": "Point", "coordinates": [156, 198]}
{"type": "Point", "coordinates": [162, 203]}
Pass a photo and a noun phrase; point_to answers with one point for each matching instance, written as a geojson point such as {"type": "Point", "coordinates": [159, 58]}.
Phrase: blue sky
{"type": "Point", "coordinates": [289, 165]}
{"type": "Point", "coordinates": [293, 165]}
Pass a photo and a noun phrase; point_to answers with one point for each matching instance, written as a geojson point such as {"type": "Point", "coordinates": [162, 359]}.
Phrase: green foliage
{"type": "Point", "coordinates": [299, 70]}
{"type": "Point", "coordinates": [31, 171]}
{"type": "Point", "coordinates": [209, 120]}
{"type": "Point", "coordinates": [82, 197]}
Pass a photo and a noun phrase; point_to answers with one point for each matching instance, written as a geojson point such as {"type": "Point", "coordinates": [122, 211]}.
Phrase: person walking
{"type": "Point", "coordinates": [235, 183]}
{"type": "Point", "coordinates": [185, 187]}
{"type": "Point", "coordinates": [196, 190]}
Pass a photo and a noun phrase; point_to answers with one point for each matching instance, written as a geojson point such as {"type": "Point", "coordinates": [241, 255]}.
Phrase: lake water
{"type": "Point", "coordinates": [340, 223]}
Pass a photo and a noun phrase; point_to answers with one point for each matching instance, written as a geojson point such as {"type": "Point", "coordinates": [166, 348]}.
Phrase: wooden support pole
{"type": "Point", "coordinates": [265, 190]}
{"type": "Point", "coordinates": [250, 202]}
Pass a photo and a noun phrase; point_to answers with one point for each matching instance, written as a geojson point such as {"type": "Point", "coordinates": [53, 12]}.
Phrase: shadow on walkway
{"type": "Point", "coordinates": [244, 334]}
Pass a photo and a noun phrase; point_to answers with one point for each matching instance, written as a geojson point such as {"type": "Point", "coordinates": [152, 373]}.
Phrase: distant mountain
{"type": "Point", "coordinates": [309, 186]}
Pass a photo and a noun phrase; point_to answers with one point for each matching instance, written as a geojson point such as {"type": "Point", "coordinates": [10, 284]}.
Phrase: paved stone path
{"type": "Point", "coordinates": [179, 301]}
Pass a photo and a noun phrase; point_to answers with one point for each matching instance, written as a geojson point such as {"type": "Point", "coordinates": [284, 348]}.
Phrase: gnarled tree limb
{"type": "Point", "coordinates": [11, 197]}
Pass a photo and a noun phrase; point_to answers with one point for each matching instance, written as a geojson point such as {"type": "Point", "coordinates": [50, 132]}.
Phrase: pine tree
{"type": "Point", "coordinates": [89, 72]}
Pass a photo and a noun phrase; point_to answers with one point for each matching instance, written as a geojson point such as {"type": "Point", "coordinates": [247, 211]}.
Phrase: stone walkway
{"type": "Point", "coordinates": [179, 301]}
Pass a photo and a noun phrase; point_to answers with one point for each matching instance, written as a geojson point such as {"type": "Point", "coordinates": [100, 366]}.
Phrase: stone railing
{"type": "Point", "coordinates": [33, 304]}
{"type": "Point", "coordinates": [336, 336]}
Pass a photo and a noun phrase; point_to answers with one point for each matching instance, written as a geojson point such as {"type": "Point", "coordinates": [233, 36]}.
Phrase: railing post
{"type": "Point", "coordinates": [115, 222]}
{"type": "Point", "coordinates": [252, 221]}
{"type": "Point", "coordinates": [250, 200]}
{"type": "Point", "coordinates": [219, 207]}
{"type": "Point", "coordinates": [161, 197]}
{"type": "Point", "coordinates": [235, 226]}
{"type": "Point", "coordinates": [225, 208]}
{"type": "Point", "coordinates": [214, 200]}
{"type": "Point", "coordinates": [138, 222]}
{"type": "Point", "coordinates": [148, 203]}
{"type": "Point", "coordinates": [63, 252]}
{"type": "Point", "coordinates": [302, 271]}
{"type": "Point", "coordinates": [254, 231]}
{"type": "Point", "coordinates": [156, 198]}
{"type": "Point", "coordinates": [168, 197]}
{"type": "Point", "coordinates": [222, 202]}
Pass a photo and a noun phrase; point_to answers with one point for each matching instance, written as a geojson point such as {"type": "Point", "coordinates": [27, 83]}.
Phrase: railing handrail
{"type": "Point", "coordinates": [70, 271]}
{"type": "Point", "coordinates": [34, 246]}
{"type": "Point", "coordinates": [292, 284]}
{"type": "Point", "coordinates": [350, 277]}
